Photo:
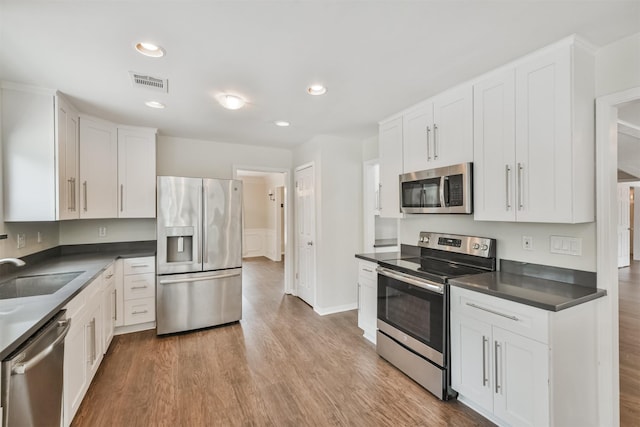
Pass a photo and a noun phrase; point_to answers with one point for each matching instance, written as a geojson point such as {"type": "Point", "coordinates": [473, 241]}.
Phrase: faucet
{"type": "Point", "coordinates": [15, 261]}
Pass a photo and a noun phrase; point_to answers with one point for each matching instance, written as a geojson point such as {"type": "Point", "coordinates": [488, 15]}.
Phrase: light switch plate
{"type": "Point", "coordinates": [22, 240]}
{"type": "Point", "coordinates": [565, 245]}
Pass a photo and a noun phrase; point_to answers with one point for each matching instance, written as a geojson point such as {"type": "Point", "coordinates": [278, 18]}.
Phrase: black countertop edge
{"type": "Point", "coordinates": [406, 251]}
{"type": "Point", "coordinates": [42, 308]}
{"type": "Point", "coordinates": [535, 292]}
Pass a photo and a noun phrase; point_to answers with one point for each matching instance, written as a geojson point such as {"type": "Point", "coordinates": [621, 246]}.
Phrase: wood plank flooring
{"type": "Point", "coordinates": [629, 321]}
{"type": "Point", "coordinates": [282, 365]}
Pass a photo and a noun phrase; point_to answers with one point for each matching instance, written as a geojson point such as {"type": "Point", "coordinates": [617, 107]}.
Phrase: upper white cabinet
{"type": "Point", "coordinates": [439, 132]}
{"type": "Point", "coordinates": [534, 142]}
{"type": "Point", "coordinates": [136, 172]}
{"type": "Point", "coordinates": [40, 146]}
{"type": "Point", "coordinates": [390, 154]}
{"type": "Point", "coordinates": [98, 168]}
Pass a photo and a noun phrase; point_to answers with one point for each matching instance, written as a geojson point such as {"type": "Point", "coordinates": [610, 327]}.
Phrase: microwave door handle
{"type": "Point", "coordinates": [443, 202]}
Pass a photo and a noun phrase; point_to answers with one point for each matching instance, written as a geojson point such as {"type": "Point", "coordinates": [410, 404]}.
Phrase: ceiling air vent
{"type": "Point", "coordinates": [147, 82]}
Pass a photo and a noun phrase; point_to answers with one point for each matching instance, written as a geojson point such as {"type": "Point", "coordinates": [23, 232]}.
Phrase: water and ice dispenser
{"type": "Point", "coordinates": [180, 244]}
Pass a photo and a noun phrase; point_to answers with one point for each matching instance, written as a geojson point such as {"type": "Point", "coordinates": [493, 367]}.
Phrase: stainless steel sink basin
{"type": "Point", "coordinates": [29, 286]}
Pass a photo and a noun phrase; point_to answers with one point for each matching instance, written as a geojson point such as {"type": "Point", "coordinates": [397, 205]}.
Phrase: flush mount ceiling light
{"type": "Point", "coordinates": [281, 123]}
{"type": "Point", "coordinates": [150, 49]}
{"type": "Point", "coordinates": [316, 89]}
{"type": "Point", "coordinates": [231, 102]}
{"type": "Point", "coordinates": [154, 104]}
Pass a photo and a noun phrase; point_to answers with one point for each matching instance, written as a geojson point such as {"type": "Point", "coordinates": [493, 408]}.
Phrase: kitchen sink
{"type": "Point", "coordinates": [29, 286]}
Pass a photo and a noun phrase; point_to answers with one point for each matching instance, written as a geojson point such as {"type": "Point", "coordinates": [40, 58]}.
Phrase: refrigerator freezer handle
{"type": "Point", "coordinates": [205, 258]}
{"type": "Point", "coordinates": [198, 279]}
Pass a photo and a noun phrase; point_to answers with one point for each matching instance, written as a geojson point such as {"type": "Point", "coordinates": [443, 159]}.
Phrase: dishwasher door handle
{"type": "Point", "coordinates": [23, 367]}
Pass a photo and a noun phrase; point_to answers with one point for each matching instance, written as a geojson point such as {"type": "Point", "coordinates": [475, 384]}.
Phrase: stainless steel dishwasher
{"type": "Point", "coordinates": [32, 378]}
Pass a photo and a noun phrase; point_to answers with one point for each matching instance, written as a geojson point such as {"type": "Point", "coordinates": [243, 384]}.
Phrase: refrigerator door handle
{"type": "Point", "coordinates": [205, 251]}
{"type": "Point", "coordinates": [198, 279]}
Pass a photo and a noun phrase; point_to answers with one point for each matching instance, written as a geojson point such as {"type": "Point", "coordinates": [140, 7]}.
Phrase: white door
{"type": "Point", "coordinates": [624, 240]}
{"type": "Point", "coordinates": [305, 234]}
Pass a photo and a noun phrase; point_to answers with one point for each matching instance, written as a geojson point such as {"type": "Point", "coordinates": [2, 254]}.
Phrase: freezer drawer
{"type": "Point", "coordinates": [198, 300]}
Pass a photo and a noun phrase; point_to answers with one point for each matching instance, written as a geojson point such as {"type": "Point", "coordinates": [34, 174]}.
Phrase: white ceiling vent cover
{"type": "Point", "coordinates": [147, 82]}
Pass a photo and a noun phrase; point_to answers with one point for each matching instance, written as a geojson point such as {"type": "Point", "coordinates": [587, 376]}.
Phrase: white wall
{"type": "Point", "coordinates": [256, 202]}
{"type": "Point", "coordinates": [618, 66]}
{"type": "Point", "coordinates": [209, 159]}
{"type": "Point", "coordinates": [338, 169]}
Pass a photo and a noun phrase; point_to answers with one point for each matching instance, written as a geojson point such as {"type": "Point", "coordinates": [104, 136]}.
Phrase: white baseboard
{"type": "Point", "coordinates": [335, 309]}
{"type": "Point", "coordinates": [134, 328]}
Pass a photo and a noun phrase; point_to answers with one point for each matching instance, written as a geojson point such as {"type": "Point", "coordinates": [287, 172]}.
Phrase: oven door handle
{"type": "Point", "coordinates": [421, 283]}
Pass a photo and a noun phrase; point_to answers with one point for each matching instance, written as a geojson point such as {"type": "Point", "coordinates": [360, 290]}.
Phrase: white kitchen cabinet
{"type": "Point", "coordinates": [390, 154]}
{"type": "Point", "coordinates": [40, 147]}
{"type": "Point", "coordinates": [136, 172]}
{"type": "Point", "coordinates": [439, 132]}
{"type": "Point", "coordinates": [523, 366]}
{"type": "Point", "coordinates": [367, 299]}
{"type": "Point", "coordinates": [534, 141]}
{"type": "Point", "coordinates": [136, 294]}
{"type": "Point", "coordinates": [98, 168]}
{"type": "Point", "coordinates": [83, 346]}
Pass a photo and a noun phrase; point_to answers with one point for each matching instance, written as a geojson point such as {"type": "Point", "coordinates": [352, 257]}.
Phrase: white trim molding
{"type": "Point", "coordinates": [323, 311]}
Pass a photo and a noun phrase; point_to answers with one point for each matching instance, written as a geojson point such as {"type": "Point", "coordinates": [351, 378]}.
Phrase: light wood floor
{"type": "Point", "coordinates": [282, 365]}
{"type": "Point", "coordinates": [629, 319]}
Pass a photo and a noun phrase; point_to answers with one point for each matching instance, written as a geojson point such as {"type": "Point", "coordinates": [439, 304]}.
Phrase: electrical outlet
{"type": "Point", "coordinates": [102, 231]}
{"type": "Point", "coordinates": [22, 240]}
{"type": "Point", "coordinates": [39, 237]}
{"type": "Point", "coordinates": [527, 243]}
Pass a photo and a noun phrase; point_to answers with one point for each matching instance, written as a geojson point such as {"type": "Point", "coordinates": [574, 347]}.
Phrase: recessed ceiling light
{"type": "Point", "coordinates": [231, 102]}
{"type": "Point", "coordinates": [154, 104]}
{"type": "Point", "coordinates": [281, 123]}
{"type": "Point", "coordinates": [317, 89]}
{"type": "Point", "coordinates": [150, 49]}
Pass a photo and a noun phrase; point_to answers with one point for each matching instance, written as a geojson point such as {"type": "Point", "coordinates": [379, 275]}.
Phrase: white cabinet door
{"type": "Point", "coordinates": [98, 169]}
{"type": "Point", "coordinates": [68, 156]}
{"type": "Point", "coordinates": [108, 309]}
{"type": "Point", "coordinates": [417, 144]}
{"type": "Point", "coordinates": [136, 173]}
{"type": "Point", "coordinates": [75, 366]}
{"type": "Point", "coordinates": [521, 380]}
{"type": "Point", "coordinates": [543, 138]}
{"type": "Point", "coordinates": [390, 154]}
{"type": "Point", "coordinates": [367, 299]}
{"type": "Point", "coordinates": [494, 147]}
{"type": "Point", "coordinates": [453, 127]}
{"type": "Point", "coordinates": [471, 367]}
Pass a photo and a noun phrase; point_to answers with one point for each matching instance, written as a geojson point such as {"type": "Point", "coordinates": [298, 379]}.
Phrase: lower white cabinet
{"type": "Point", "coordinates": [367, 299]}
{"type": "Point", "coordinates": [108, 306]}
{"type": "Point", "coordinates": [135, 294]}
{"type": "Point", "coordinates": [523, 366]}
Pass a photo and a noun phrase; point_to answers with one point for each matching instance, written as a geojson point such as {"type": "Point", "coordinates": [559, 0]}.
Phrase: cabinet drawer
{"type": "Point", "coordinates": [367, 270]}
{"type": "Point", "coordinates": [518, 318]}
{"type": "Point", "coordinates": [139, 311]}
{"type": "Point", "coordinates": [139, 265]}
{"type": "Point", "coordinates": [139, 286]}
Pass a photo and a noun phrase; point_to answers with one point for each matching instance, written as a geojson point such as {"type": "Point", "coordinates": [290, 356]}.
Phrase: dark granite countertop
{"type": "Point", "coordinates": [406, 251]}
{"type": "Point", "coordinates": [21, 317]}
{"type": "Point", "coordinates": [533, 291]}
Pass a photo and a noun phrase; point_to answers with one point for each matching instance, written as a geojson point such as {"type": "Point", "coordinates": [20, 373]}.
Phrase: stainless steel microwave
{"type": "Point", "coordinates": [442, 190]}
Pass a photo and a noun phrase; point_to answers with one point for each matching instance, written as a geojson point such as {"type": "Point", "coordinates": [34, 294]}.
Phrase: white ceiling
{"type": "Point", "coordinates": [375, 57]}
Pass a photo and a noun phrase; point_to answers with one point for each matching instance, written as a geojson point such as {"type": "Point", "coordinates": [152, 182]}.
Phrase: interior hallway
{"type": "Point", "coordinates": [282, 365]}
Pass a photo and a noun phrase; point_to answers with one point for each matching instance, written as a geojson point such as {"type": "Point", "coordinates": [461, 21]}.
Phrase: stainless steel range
{"type": "Point", "coordinates": [413, 305]}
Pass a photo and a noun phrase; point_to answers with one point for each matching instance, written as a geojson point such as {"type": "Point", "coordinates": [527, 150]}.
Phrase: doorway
{"type": "Point", "coordinates": [305, 234]}
{"type": "Point", "coordinates": [609, 330]}
{"type": "Point", "coordinates": [266, 217]}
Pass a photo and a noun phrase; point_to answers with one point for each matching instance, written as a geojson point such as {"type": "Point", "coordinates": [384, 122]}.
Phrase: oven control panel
{"type": "Point", "coordinates": [478, 246]}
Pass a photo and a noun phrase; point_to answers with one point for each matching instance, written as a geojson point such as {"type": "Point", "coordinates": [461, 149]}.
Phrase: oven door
{"type": "Point", "coordinates": [412, 311]}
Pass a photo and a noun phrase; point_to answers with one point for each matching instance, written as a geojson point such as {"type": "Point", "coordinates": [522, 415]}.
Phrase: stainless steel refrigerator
{"type": "Point", "coordinates": [199, 253]}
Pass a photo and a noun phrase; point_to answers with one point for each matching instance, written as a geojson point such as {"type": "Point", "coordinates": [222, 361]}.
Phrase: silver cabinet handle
{"type": "Point", "coordinates": [84, 186]}
{"type": "Point", "coordinates": [507, 180]}
{"type": "Point", "coordinates": [23, 367]}
{"type": "Point", "coordinates": [70, 195]}
{"type": "Point", "coordinates": [121, 197]}
{"type": "Point", "coordinates": [139, 287]}
{"type": "Point", "coordinates": [114, 317]}
{"type": "Point", "coordinates": [139, 312]}
{"type": "Point", "coordinates": [367, 270]}
{"type": "Point", "coordinates": [139, 265]}
{"type": "Point", "coordinates": [435, 141]}
{"type": "Point", "coordinates": [94, 340]}
{"type": "Point", "coordinates": [74, 196]}
{"type": "Point", "coordinates": [485, 341]}
{"type": "Point", "coordinates": [428, 149]}
{"type": "Point", "coordinates": [496, 349]}
{"type": "Point", "coordinates": [378, 195]}
{"type": "Point", "coordinates": [470, 304]}
{"type": "Point", "coordinates": [520, 187]}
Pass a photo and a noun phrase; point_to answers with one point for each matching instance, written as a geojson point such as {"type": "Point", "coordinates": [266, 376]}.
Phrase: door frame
{"type": "Point", "coordinates": [288, 216]}
{"type": "Point", "coordinates": [607, 252]}
{"type": "Point", "coordinates": [315, 232]}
